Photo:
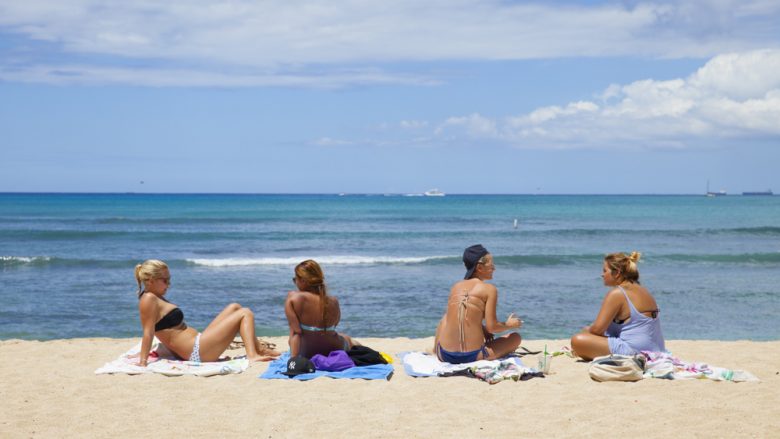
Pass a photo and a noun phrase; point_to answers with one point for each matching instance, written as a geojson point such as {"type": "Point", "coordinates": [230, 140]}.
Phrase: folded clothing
{"type": "Point", "coordinates": [336, 361]}
{"type": "Point", "coordinates": [665, 365]}
{"type": "Point", "coordinates": [365, 356]}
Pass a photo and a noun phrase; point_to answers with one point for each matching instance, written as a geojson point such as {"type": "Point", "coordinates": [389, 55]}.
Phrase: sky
{"type": "Point", "coordinates": [364, 96]}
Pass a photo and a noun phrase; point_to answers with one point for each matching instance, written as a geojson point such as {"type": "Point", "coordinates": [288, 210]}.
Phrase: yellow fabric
{"type": "Point", "coordinates": [387, 358]}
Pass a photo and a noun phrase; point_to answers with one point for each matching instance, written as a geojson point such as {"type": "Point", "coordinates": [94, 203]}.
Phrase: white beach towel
{"type": "Point", "coordinates": [420, 364]}
{"type": "Point", "coordinates": [166, 364]}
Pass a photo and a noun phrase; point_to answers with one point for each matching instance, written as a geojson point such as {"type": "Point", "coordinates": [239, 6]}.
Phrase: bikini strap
{"type": "Point", "coordinates": [462, 309]}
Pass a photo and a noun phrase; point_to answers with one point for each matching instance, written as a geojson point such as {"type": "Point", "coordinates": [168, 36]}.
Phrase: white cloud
{"type": "Point", "coordinates": [276, 37]}
{"type": "Point", "coordinates": [733, 95]}
{"type": "Point", "coordinates": [474, 125]}
{"type": "Point", "coordinates": [327, 141]}
{"type": "Point", "coordinates": [75, 74]}
{"type": "Point", "coordinates": [413, 124]}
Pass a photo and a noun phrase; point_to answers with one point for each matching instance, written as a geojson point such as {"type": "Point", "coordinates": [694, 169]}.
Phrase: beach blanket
{"type": "Point", "coordinates": [665, 365]}
{"type": "Point", "coordinates": [164, 362]}
{"type": "Point", "coordinates": [372, 372]}
{"type": "Point", "coordinates": [420, 364]}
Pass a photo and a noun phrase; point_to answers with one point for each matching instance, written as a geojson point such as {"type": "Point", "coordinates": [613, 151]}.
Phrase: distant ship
{"type": "Point", "coordinates": [720, 193]}
{"type": "Point", "coordinates": [766, 192]}
{"type": "Point", "coordinates": [434, 193]}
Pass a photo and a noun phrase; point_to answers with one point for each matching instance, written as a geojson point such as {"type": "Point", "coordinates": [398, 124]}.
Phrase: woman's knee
{"type": "Point", "coordinates": [576, 341]}
{"type": "Point", "coordinates": [233, 307]}
{"type": "Point", "coordinates": [515, 340]}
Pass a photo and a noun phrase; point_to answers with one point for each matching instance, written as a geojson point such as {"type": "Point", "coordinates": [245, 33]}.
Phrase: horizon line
{"type": "Point", "coordinates": [346, 194]}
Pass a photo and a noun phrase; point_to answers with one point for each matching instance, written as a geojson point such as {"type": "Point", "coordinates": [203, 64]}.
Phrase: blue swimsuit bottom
{"type": "Point", "coordinates": [461, 357]}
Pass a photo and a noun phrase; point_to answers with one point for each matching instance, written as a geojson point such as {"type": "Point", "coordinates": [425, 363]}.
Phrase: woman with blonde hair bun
{"type": "Point", "coordinates": [164, 320]}
{"type": "Point", "coordinates": [628, 321]}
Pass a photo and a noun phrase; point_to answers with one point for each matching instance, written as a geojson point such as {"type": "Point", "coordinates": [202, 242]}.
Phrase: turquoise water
{"type": "Point", "coordinates": [67, 259]}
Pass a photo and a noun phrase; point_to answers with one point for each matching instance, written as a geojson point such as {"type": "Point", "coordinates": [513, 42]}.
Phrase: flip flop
{"type": "Point", "coordinates": [523, 351]}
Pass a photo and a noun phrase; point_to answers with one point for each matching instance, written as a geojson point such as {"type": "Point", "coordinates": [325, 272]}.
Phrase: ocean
{"type": "Point", "coordinates": [67, 260]}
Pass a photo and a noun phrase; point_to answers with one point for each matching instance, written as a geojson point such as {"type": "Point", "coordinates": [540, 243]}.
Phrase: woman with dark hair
{"type": "Point", "coordinates": [313, 315]}
{"type": "Point", "coordinates": [461, 337]}
{"type": "Point", "coordinates": [628, 321]}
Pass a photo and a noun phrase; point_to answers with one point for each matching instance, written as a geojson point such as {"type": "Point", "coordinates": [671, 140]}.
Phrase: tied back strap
{"type": "Point", "coordinates": [462, 309]}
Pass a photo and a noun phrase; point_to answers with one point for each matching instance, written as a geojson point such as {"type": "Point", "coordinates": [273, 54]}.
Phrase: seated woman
{"type": "Point", "coordinates": [313, 315]}
{"type": "Point", "coordinates": [164, 320]}
{"type": "Point", "coordinates": [628, 320]}
{"type": "Point", "coordinates": [461, 337]}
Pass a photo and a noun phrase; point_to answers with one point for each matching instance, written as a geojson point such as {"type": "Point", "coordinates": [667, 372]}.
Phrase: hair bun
{"type": "Point", "coordinates": [635, 256]}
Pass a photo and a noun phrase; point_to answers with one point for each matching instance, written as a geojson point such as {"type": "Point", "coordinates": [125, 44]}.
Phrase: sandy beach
{"type": "Point", "coordinates": [49, 389]}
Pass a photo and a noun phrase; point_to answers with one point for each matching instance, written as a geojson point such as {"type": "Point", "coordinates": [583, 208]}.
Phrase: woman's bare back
{"type": "Point", "coordinates": [462, 324]}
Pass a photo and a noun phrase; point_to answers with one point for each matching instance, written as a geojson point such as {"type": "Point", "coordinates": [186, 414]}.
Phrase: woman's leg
{"type": "Point", "coordinates": [265, 349]}
{"type": "Point", "coordinates": [502, 346]}
{"type": "Point", "coordinates": [230, 309]}
{"type": "Point", "coordinates": [436, 337]}
{"type": "Point", "coordinates": [589, 346]}
{"type": "Point", "coordinates": [218, 335]}
{"type": "Point", "coordinates": [349, 341]}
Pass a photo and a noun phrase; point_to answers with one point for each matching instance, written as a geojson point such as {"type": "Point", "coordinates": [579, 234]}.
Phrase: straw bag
{"type": "Point", "coordinates": [617, 368]}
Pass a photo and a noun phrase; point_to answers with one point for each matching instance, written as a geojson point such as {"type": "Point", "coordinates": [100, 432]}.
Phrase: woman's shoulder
{"type": "Point", "coordinates": [295, 296]}
{"type": "Point", "coordinates": [148, 301]}
{"type": "Point", "coordinates": [614, 295]}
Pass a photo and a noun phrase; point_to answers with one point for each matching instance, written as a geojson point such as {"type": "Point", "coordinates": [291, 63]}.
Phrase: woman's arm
{"type": "Point", "coordinates": [609, 309]}
{"type": "Point", "coordinates": [290, 305]}
{"type": "Point", "coordinates": [491, 322]}
{"type": "Point", "coordinates": [147, 308]}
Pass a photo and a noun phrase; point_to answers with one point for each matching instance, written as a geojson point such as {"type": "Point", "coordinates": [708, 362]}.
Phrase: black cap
{"type": "Point", "coordinates": [299, 365]}
{"type": "Point", "coordinates": [471, 257]}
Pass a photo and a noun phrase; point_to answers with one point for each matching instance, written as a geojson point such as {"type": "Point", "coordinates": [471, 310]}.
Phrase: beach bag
{"type": "Point", "coordinates": [617, 368]}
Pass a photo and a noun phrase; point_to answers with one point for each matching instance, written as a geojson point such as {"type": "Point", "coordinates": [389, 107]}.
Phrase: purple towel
{"type": "Point", "coordinates": [335, 361]}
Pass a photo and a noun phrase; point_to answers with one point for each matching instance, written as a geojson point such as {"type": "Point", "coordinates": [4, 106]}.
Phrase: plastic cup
{"type": "Point", "coordinates": [544, 363]}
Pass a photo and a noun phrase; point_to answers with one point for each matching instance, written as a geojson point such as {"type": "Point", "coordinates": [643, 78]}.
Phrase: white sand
{"type": "Point", "coordinates": [48, 389]}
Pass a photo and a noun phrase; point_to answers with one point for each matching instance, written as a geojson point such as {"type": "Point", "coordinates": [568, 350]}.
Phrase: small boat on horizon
{"type": "Point", "coordinates": [720, 193]}
{"type": "Point", "coordinates": [434, 193]}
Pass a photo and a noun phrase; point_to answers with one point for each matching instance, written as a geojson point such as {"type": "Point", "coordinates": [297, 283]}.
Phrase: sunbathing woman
{"type": "Point", "coordinates": [164, 320]}
{"type": "Point", "coordinates": [461, 337]}
{"type": "Point", "coordinates": [628, 320]}
{"type": "Point", "coordinates": [313, 315]}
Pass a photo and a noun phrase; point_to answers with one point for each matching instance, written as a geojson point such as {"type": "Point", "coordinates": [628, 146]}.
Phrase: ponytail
{"type": "Point", "coordinates": [148, 270]}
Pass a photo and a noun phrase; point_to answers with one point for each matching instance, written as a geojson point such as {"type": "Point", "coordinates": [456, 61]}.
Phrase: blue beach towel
{"type": "Point", "coordinates": [373, 372]}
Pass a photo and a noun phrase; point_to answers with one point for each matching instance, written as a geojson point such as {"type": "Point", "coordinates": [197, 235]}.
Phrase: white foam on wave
{"type": "Point", "coordinates": [333, 260]}
{"type": "Point", "coordinates": [24, 259]}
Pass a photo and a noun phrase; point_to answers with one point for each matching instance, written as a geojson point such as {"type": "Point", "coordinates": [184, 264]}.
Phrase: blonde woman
{"type": "Point", "coordinates": [628, 321]}
{"type": "Point", "coordinates": [313, 315]}
{"type": "Point", "coordinates": [164, 320]}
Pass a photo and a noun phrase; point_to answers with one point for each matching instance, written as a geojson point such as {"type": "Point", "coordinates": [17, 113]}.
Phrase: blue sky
{"type": "Point", "coordinates": [368, 96]}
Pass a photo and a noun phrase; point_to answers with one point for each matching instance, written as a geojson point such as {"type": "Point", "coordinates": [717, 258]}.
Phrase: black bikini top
{"type": "Point", "coordinates": [170, 320]}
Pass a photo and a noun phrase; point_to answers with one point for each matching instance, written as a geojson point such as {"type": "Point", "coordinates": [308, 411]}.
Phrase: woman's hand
{"type": "Point", "coordinates": [513, 321]}
{"type": "Point", "coordinates": [487, 334]}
